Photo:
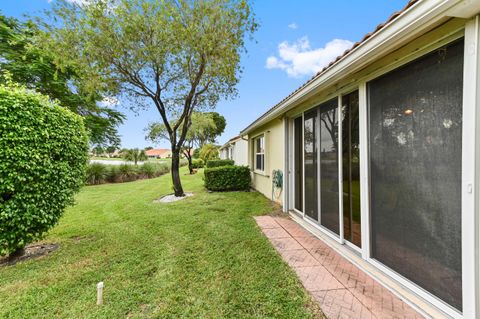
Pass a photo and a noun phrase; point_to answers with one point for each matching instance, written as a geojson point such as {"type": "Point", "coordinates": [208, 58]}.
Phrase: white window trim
{"type": "Point", "coordinates": [255, 153]}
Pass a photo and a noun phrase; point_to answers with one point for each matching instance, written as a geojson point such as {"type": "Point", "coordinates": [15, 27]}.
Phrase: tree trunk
{"type": "Point", "coordinates": [177, 184]}
{"type": "Point", "coordinates": [188, 155]}
{"type": "Point", "coordinates": [190, 164]}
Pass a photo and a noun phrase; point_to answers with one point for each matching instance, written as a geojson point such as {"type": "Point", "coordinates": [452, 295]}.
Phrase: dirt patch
{"type": "Point", "coordinates": [31, 251]}
{"type": "Point", "coordinates": [276, 210]}
{"type": "Point", "coordinates": [171, 198]}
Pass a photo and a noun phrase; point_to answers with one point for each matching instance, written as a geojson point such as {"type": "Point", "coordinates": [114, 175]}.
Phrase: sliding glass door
{"type": "Point", "coordinates": [415, 116]}
{"type": "Point", "coordinates": [351, 169]}
{"type": "Point", "coordinates": [298, 163]}
{"type": "Point", "coordinates": [311, 164]}
{"type": "Point", "coordinates": [329, 215]}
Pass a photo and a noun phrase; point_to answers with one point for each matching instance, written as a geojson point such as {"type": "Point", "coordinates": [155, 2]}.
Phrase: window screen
{"type": "Point", "coordinates": [351, 169]}
{"type": "Point", "coordinates": [260, 153]}
{"type": "Point", "coordinates": [311, 164]}
{"type": "Point", "coordinates": [415, 115]}
{"type": "Point", "coordinates": [298, 160]}
{"type": "Point", "coordinates": [329, 165]}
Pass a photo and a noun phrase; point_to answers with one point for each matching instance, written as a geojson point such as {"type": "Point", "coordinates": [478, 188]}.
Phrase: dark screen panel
{"type": "Point", "coordinates": [298, 160]}
{"type": "Point", "coordinates": [311, 164]}
{"type": "Point", "coordinates": [415, 159]}
{"type": "Point", "coordinates": [329, 165]}
{"type": "Point", "coordinates": [351, 169]}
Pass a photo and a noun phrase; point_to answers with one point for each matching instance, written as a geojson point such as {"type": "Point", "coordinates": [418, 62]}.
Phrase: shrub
{"type": "Point", "coordinates": [209, 152]}
{"type": "Point", "coordinates": [227, 178]}
{"type": "Point", "coordinates": [112, 174]}
{"type": "Point", "coordinates": [219, 163]}
{"type": "Point", "coordinates": [126, 173]}
{"type": "Point", "coordinates": [96, 173]}
{"type": "Point", "coordinates": [43, 159]}
{"type": "Point", "coordinates": [198, 163]}
{"type": "Point", "coordinates": [148, 170]}
{"type": "Point", "coordinates": [101, 173]}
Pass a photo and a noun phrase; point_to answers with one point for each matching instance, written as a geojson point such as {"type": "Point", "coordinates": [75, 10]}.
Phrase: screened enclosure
{"type": "Point", "coordinates": [415, 141]}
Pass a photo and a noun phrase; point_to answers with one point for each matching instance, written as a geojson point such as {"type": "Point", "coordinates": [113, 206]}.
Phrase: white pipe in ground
{"type": "Point", "coordinates": [100, 293]}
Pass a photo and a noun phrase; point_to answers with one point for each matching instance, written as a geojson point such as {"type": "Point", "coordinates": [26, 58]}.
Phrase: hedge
{"type": "Point", "coordinates": [219, 163]}
{"type": "Point", "coordinates": [43, 157]}
{"type": "Point", "coordinates": [227, 178]}
{"type": "Point", "coordinates": [198, 163]}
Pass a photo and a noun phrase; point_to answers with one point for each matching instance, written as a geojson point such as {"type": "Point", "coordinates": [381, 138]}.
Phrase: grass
{"type": "Point", "coordinates": [202, 257]}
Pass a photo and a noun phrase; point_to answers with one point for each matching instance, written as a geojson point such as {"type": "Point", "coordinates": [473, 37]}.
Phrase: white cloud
{"type": "Point", "coordinates": [299, 59]}
{"type": "Point", "coordinates": [293, 26]}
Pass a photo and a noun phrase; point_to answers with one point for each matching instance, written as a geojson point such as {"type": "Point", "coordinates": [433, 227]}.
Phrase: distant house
{"type": "Point", "coordinates": [235, 149]}
{"type": "Point", "coordinates": [159, 153]}
{"type": "Point", "coordinates": [380, 154]}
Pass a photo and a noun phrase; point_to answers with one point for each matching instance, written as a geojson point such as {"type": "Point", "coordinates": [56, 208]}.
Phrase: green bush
{"type": "Point", "coordinates": [219, 163]}
{"type": "Point", "coordinates": [43, 159]}
{"type": "Point", "coordinates": [198, 163]}
{"type": "Point", "coordinates": [227, 178]}
{"type": "Point", "coordinates": [96, 173]}
{"type": "Point", "coordinates": [112, 173]}
{"type": "Point", "coordinates": [147, 170]}
{"type": "Point", "coordinates": [209, 152]}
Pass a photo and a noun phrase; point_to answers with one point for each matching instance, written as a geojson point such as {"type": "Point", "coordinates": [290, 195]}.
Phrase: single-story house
{"type": "Point", "coordinates": [380, 154]}
{"type": "Point", "coordinates": [159, 153]}
{"type": "Point", "coordinates": [235, 149]}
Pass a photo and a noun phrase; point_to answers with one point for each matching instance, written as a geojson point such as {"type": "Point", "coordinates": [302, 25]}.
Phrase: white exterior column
{"type": "Point", "coordinates": [364, 170]}
{"type": "Point", "coordinates": [471, 171]}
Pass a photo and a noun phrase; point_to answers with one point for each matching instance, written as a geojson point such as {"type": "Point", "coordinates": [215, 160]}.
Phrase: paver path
{"type": "Point", "coordinates": [341, 288]}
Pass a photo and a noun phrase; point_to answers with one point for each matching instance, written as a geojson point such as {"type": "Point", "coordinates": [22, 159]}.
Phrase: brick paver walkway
{"type": "Point", "coordinates": [341, 288]}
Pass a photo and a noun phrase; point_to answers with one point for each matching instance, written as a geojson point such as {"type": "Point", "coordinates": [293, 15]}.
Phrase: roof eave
{"type": "Point", "coordinates": [412, 22]}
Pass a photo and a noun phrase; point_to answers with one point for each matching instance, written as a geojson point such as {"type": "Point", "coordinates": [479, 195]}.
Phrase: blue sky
{"type": "Point", "coordinates": [295, 38]}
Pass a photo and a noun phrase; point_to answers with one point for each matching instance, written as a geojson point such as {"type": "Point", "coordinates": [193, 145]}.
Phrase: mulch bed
{"type": "Point", "coordinates": [31, 252]}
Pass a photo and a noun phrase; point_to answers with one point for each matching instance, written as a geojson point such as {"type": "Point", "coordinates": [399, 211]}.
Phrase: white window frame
{"type": "Point", "coordinates": [255, 153]}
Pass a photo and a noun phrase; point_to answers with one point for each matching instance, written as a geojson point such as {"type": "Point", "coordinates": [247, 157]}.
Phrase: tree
{"type": "Point", "coordinates": [201, 125]}
{"type": "Point", "coordinates": [99, 151]}
{"type": "Point", "coordinates": [33, 67]}
{"type": "Point", "coordinates": [220, 124]}
{"type": "Point", "coordinates": [43, 158]}
{"type": "Point", "coordinates": [135, 155]}
{"type": "Point", "coordinates": [209, 152]}
{"type": "Point", "coordinates": [176, 55]}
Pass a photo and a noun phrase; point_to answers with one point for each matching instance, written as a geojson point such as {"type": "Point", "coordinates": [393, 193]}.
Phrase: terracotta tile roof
{"type": "Point", "coordinates": [392, 17]}
{"type": "Point", "coordinates": [157, 152]}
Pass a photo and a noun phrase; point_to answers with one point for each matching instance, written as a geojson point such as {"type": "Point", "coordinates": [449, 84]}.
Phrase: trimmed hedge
{"type": "Point", "coordinates": [43, 157]}
{"type": "Point", "coordinates": [228, 178]}
{"type": "Point", "coordinates": [220, 163]}
{"type": "Point", "coordinates": [198, 163]}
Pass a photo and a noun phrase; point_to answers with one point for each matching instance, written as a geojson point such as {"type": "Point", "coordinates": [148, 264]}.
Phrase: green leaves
{"type": "Point", "coordinates": [43, 156]}
{"type": "Point", "coordinates": [227, 178]}
{"type": "Point", "coordinates": [178, 56]}
{"type": "Point", "coordinates": [34, 66]}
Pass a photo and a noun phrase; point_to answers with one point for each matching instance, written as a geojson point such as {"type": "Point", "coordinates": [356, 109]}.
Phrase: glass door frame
{"type": "Point", "coordinates": [293, 166]}
{"type": "Point", "coordinates": [470, 173]}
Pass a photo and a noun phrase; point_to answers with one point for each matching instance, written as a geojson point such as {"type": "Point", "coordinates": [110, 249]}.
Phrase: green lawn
{"type": "Point", "coordinates": [202, 257]}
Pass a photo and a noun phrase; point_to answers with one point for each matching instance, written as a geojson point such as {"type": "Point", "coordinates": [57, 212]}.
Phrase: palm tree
{"type": "Point", "coordinates": [135, 155]}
